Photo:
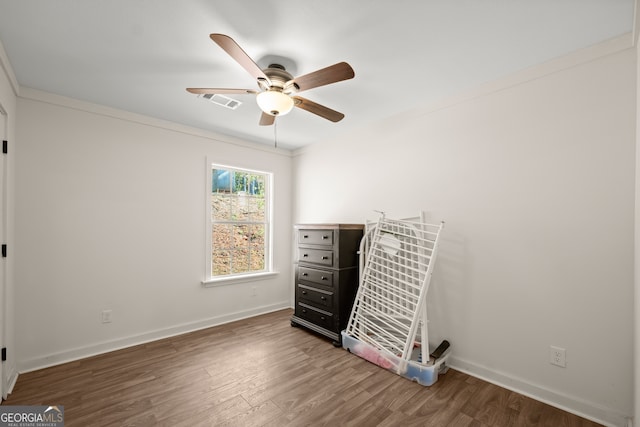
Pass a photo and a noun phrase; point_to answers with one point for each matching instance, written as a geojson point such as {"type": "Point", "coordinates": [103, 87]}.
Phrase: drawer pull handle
{"type": "Point", "coordinates": [322, 318]}
{"type": "Point", "coordinates": [305, 274]}
{"type": "Point", "coordinates": [325, 237]}
{"type": "Point", "coordinates": [305, 255]}
{"type": "Point", "coordinates": [306, 236]}
{"type": "Point", "coordinates": [323, 298]}
{"type": "Point", "coordinates": [304, 292]}
{"type": "Point", "coordinates": [325, 257]}
{"type": "Point", "coordinates": [324, 278]}
{"type": "Point", "coordinates": [304, 311]}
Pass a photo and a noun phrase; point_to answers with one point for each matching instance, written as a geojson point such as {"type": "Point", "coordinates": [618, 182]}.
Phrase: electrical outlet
{"type": "Point", "coordinates": [106, 316]}
{"type": "Point", "coordinates": [558, 356]}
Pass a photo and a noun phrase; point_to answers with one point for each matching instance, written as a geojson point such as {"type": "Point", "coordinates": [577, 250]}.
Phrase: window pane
{"type": "Point", "coordinates": [256, 185]}
{"type": "Point", "coordinates": [240, 207]}
{"type": "Point", "coordinates": [240, 235]}
{"type": "Point", "coordinates": [257, 259]}
{"type": "Point", "coordinates": [220, 206]}
{"type": "Point", "coordinates": [239, 182]}
{"type": "Point", "coordinates": [256, 208]}
{"type": "Point", "coordinates": [222, 237]}
{"type": "Point", "coordinates": [256, 247]}
{"type": "Point", "coordinates": [256, 235]}
{"type": "Point", "coordinates": [240, 260]}
{"type": "Point", "coordinates": [221, 262]}
{"type": "Point", "coordinates": [221, 180]}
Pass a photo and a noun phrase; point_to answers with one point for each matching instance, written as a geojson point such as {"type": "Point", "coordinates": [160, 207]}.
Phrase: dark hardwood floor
{"type": "Point", "coordinates": [263, 372]}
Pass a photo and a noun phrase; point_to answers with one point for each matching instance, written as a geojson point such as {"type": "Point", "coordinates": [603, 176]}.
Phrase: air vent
{"type": "Point", "coordinates": [221, 100]}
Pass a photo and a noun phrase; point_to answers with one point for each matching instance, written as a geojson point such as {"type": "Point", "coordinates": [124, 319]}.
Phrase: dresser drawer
{"type": "Point", "coordinates": [321, 277]}
{"type": "Point", "coordinates": [315, 237]}
{"type": "Point", "coordinates": [316, 297]}
{"type": "Point", "coordinates": [316, 256]}
{"type": "Point", "coordinates": [317, 316]}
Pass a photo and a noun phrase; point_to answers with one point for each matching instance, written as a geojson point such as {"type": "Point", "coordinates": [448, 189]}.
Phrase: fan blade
{"type": "Point", "coordinates": [267, 119]}
{"type": "Point", "coordinates": [332, 74]}
{"type": "Point", "coordinates": [214, 90]}
{"type": "Point", "coordinates": [320, 110]}
{"type": "Point", "coordinates": [241, 57]}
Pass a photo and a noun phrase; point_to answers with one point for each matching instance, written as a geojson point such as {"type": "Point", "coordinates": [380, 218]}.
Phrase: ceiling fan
{"type": "Point", "coordinates": [277, 87]}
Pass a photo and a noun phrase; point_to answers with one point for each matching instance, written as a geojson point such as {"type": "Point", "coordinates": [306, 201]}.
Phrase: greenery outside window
{"type": "Point", "coordinates": [239, 202]}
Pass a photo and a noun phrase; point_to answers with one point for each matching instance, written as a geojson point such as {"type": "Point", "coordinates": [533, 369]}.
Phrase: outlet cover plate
{"type": "Point", "coordinates": [558, 356]}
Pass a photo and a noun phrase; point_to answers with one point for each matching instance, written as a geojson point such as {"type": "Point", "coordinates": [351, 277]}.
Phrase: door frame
{"type": "Point", "coordinates": [4, 211]}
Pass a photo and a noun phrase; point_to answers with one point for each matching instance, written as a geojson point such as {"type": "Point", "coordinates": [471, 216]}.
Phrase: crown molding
{"type": "Point", "coordinates": [75, 104]}
{"type": "Point", "coordinates": [552, 66]}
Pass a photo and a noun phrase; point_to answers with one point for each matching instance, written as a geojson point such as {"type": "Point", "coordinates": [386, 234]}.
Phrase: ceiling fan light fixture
{"type": "Point", "coordinates": [274, 102]}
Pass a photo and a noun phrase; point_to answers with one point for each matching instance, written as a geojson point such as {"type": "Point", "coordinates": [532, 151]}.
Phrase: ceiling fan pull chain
{"type": "Point", "coordinates": [275, 132]}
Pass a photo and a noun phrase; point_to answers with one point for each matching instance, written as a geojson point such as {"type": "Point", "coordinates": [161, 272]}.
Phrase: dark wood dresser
{"type": "Point", "coordinates": [326, 276]}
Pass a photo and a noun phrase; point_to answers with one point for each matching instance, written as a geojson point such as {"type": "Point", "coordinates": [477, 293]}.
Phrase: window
{"type": "Point", "coordinates": [239, 203]}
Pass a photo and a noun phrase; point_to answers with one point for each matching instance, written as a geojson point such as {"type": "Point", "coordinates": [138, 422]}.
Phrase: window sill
{"type": "Point", "coordinates": [210, 283]}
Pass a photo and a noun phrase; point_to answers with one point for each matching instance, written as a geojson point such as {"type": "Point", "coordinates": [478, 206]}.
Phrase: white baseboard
{"type": "Point", "coordinates": [117, 344]}
{"type": "Point", "coordinates": [589, 410]}
{"type": "Point", "coordinates": [13, 377]}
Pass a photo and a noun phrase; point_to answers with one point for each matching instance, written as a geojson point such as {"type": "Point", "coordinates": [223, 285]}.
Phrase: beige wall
{"type": "Point", "coordinates": [534, 177]}
{"type": "Point", "coordinates": [110, 214]}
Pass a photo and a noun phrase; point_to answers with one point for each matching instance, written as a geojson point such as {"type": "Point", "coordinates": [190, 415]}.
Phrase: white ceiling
{"type": "Point", "coordinates": [140, 55]}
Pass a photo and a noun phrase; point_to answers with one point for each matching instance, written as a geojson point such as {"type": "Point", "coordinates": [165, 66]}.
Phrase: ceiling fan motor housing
{"type": "Point", "coordinates": [279, 79]}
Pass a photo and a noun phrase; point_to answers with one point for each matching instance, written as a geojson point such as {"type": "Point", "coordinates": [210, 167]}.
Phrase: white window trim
{"type": "Point", "coordinates": [238, 278]}
{"type": "Point", "coordinates": [211, 281]}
